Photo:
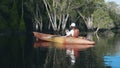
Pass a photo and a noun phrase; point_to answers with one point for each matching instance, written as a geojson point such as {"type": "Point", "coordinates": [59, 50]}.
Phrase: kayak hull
{"type": "Point", "coordinates": [61, 39]}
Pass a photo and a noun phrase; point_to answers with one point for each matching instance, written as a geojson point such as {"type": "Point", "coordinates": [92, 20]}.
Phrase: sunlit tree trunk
{"type": "Point", "coordinates": [34, 6]}
{"type": "Point", "coordinates": [89, 23]}
{"type": "Point", "coordinates": [88, 20]}
{"type": "Point", "coordinates": [38, 17]}
{"type": "Point", "coordinates": [90, 36]}
{"type": "Point", "coordinates": [58, 13]}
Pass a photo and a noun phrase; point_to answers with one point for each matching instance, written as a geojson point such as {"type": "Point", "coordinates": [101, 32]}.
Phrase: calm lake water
{"type": "Point", "coordinates": [21, 51]}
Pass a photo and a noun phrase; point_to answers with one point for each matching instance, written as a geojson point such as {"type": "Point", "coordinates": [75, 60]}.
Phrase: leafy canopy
{"type": "Point", "coordinates": [101, 19]}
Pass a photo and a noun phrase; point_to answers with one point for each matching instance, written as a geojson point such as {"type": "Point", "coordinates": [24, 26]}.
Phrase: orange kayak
{"type": "Point", "coordinates": [62, 39]}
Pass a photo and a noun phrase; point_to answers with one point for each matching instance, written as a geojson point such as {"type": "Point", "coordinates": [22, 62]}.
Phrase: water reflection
{"type": "Point", "coordinates": [108, 49]}
{"type": "Point", "coordinates": [66, 51]}
{"type": "Point", "coordinates": [17, 51]}
{"type": "Point", "coordinates": [75, 56]}
{"type": "Point", "coordinates": [14, 50]}
{"type": "Point", "coordinates": [113, 61]}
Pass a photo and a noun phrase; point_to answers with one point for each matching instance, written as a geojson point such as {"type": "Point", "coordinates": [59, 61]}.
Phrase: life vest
{"type": "Point", "coordinates": [76, 33]}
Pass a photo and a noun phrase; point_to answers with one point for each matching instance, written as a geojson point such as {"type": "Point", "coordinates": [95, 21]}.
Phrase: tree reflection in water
{"type": "Point", "coordinates": [59, 55]}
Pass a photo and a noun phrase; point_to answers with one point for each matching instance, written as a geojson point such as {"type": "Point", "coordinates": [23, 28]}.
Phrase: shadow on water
{"type": "Point", "coordinates": [16, 50]}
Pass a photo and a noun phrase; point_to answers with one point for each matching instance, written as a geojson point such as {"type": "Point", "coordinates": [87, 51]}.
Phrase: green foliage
{"type": "Point", "coordinates": [9, 18]}
{"type": "Point", "coordinates": [87, 7]}
{"type": "Point", "coordinates": [2, 23]}
{"type": "Point", "coordinates": [11, 12]}
{"type": "Point", "coordinates": [116, 19]}
{"type": "Point", "coordinates": [22, 25]}
{"type": "Point", "coordinates": [102, 19]}
{"type": "Point", "coordinates": [114, 11]}
{"type": "Point", "coordinates": [14, 18]}
{"type": "Point", "coordinates": [85, 10]}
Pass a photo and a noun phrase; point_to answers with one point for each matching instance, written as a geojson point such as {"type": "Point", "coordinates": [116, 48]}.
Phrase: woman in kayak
{"type": "Point", "coordinates": [74, 32]}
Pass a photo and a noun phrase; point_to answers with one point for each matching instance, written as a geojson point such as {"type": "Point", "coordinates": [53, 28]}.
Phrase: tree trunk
{"type": "Point", "coordinates": [88, 20]}
{"type": "Point", "coordinates": [57, 19]}
{"type": "Point", "coordinates": [89, 23]}
{"type": "Point", "coordinates": [97, 30]}
{"type": "Point", "coordinates": [90, 36]}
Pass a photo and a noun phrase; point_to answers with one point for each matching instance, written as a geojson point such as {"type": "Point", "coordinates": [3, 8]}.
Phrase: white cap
{"type": "Point", "coordinates": [72, 24]}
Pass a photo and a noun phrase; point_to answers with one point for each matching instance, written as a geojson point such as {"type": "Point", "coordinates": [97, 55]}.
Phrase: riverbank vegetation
{"type": "Point", "coordinates": [56, 15]}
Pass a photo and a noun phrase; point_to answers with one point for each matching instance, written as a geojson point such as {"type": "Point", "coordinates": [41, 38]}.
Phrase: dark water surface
{"type": "Point", "coordinates": [21, 51]}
